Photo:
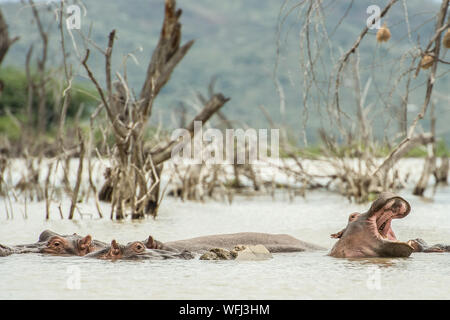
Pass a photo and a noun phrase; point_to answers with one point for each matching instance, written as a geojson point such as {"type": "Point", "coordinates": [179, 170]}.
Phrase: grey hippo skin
{"type": "Point", "coordinates": [137, 250]}
{"type": "Point", "coordinates": [53, 243]}
{"type": "Point", "coordinates": [370, 234]}
{"type": "Point", "coordinates": [5, 250]}
{"type": "Point", "coordinates": [273, 243]}
{"type": "Point", "coordinates": [420, 245]}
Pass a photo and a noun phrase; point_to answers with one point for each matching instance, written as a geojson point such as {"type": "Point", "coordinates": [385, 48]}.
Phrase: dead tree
{"type": "Point", "coordinates": [441, 172]}
{"type": "Point", "coordinates": [349, 143]}
{"type": "Point", "coordinates": [41, 68]}
{"type": "Point", "coordinates": [5, 41]}
{"type": "Point", "coordinates": [430, 162]}
{"type": "Point", "coordinates": [134, 179]}
{"type": "Point", "coordinates": [434, 53]}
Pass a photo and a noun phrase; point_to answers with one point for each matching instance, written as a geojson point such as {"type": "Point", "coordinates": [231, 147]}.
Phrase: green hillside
{"type": "Point", "coordinates": [236, 40]}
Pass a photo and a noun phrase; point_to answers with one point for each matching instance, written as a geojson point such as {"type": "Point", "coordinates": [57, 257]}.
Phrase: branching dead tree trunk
{"type": "Point", "coordinates": [134, 179]}
{"type": "Point", "coordinates": [430, 162]}
{"type": "Point", "coordinates": [441, 173]}
{"type": "Point", "coordinates": [5, 41]}
{"type": "Point", "coordinates": [76, 189]}
{"type": "Point", "coordinates": [41, 85]}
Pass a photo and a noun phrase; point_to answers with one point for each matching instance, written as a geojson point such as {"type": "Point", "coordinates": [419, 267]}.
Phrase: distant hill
{"type": "Point", "coordinates": [235, 40]}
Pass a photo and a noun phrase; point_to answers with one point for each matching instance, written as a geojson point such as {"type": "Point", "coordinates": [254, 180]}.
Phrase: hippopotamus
{"type": "Point", "coordinates": [240, 253]}
{"type": "Point", "coordinates": [370, 234]}
{"type": "Point", "coordinates": [50, 242]}
{"type": "Point", "coordinates": [420, 245]}
{"type": "Point", "coordinates": [273, 243]}
{"type": "Point", "coordinates": [137, 250]}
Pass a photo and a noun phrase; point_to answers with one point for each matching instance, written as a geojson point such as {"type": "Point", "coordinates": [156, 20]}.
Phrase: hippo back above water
{"type": "Point", "coordinates": [273, 242]}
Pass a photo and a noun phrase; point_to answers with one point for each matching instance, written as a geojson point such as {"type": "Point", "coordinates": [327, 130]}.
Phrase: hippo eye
{"type": "Point", "coordinates": [56, 244]}
{"type": "Point", "coordinates": [139, 247]}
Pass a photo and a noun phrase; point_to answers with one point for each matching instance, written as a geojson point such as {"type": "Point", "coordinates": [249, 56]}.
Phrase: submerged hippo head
{"type": "Point", "coordinates": [370, 234]}
{"type": "Point", "coordinates": [52, 243]}
{"type": "Point", "coordinates": [133, 250]}
{"type": "Point", "coordinates": [69, 245]}
{"type": "Point", "coordinates": [136, 250]}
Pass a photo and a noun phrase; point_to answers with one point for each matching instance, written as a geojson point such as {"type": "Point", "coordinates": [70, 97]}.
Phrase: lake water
{"type": "Point", "coordinates": [307, 275]}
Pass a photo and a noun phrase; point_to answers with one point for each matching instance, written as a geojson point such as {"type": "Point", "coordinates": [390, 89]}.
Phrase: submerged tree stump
{"type": "Point", "coordinates": [441, 173]}
{"type": "Point", "coordinates": [428, 168]}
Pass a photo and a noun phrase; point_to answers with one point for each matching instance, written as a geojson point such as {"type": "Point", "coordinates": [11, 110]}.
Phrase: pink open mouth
{"type": "Point", "coordinates": [394, 209]}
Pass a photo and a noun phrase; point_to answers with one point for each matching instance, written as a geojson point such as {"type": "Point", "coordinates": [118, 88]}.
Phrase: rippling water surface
{"type": "Point", "coordinates": [287, 276]}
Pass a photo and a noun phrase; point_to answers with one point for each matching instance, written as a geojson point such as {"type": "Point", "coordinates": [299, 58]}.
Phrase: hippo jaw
{"type": "Point", "coordinates": [370, 234]}
{"type": "Point", "coordinates": [381, 218]}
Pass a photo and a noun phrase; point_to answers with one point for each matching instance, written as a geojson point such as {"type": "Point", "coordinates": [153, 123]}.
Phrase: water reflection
{"type": "Point", "coordinates": [379, 262]}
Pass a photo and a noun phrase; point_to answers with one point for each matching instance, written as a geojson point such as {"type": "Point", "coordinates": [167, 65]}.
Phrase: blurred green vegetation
{"type": "Point", "coordinates": [15, 95]}
{"type": "Point", "coordinates": [8, 128]}
{"type": "Point", "coordinates": [317, 151]}
{"type": "Point", "coordinates": [442, 149]}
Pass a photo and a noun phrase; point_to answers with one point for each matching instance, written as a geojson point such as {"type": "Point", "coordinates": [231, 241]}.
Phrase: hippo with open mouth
{"type": "Point", "coordinates": [53, 243]}
{"type": "Point", "coordinates": [370, 234]}
{"type": "Point", "coordinates": [137, 250]}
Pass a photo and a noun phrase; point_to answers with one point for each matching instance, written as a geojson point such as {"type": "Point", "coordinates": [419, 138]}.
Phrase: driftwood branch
{"type": "Point", "coordinates": [212, 106]}
{"type": "Point", "coordinates": [403, 149]}
{"type": "Point", "coordinates": [167, 54]}
{"type": "Point", "coordinates": [430, 85]}
{"type": "Point", "coordinates": [347, 55]}
{"type": "Point", "coordinates": [5, 41]}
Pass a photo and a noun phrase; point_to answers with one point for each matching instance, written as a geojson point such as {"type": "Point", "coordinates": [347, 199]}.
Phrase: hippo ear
{"type": "Point", "coordinates": [85, 242]}
{"type": "Point", "coordinates": [338, 234]}
{"type": "Point", "coordinates": [151, 243]}
{"type": "Point", "coordinates": [114, 251]}
{"type": "Point", "coordinates": [396, 249]}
